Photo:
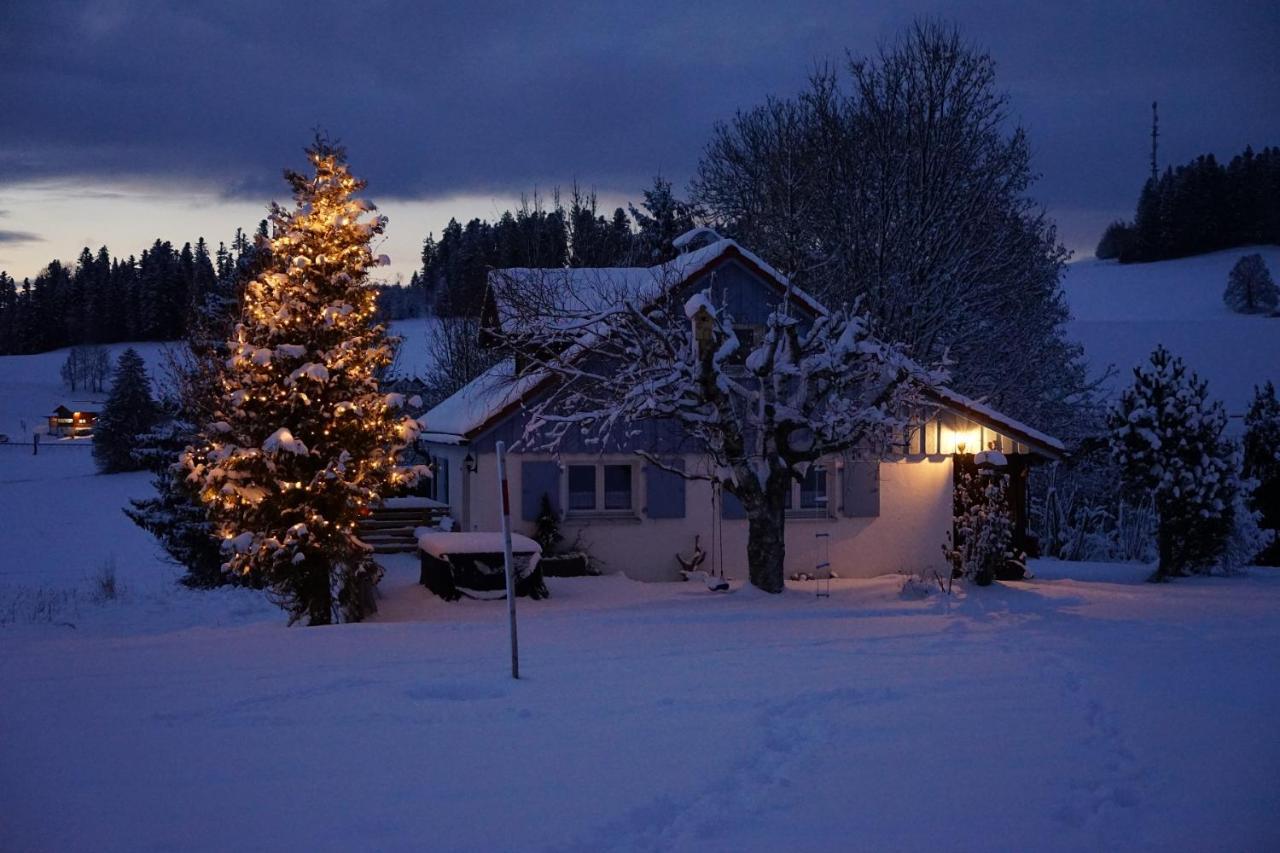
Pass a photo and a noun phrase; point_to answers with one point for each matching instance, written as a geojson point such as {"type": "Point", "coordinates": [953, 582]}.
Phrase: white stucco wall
{"type": "Point", "coordinates": [908, 535]}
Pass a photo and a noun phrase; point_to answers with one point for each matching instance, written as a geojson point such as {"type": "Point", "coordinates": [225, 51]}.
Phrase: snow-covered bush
{"type": "Point", "coordinates": [1079, 516]}
{"type": "Point", "coordinates": [1246, 539]}
{"type": "Point", "coordinates": [1167, 437]}
{"type": "Point", "coordinates": [1250, 289]}
{"type": "Point", "coordinates": [983, 539]}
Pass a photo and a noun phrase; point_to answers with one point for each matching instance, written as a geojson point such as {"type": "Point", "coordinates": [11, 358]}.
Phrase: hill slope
{"type": "Point", "coordinates": [1122, 312]}
{"type": "Point", "coordinates": [31, 386]}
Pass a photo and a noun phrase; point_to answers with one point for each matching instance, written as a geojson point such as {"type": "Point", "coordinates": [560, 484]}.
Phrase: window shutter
{"type": "Point", "coordinates": [537, 479]}
{"type": "Point", "coordinates": [860, 492]}
{"type": "Point", "coordinates": [664, 491]}
{"type": "Point", "coordinates": [731, 507]}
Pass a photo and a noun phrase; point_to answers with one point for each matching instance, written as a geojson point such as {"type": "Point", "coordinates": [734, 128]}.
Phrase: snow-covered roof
{"type": "Point", "coordinates": [571, 295]}
{"type": "Point", "coordinates": [1003, 424]}
{"type": "Point", "coordinates": [476, 404]}
{"type": "Point", "coordinates": [582, 293]}
{"type": "Point", "coordinates": [577, 295]}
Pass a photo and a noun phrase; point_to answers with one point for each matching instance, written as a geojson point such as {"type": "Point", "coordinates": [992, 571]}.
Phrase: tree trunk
{"type": "Point", "coordinates": [766, 540]}
{"type": "Point", "coordinates": [319, 601]}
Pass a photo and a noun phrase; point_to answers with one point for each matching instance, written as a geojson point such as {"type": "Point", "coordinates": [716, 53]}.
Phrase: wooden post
{"type": "Point", "coordinates": [507, 558]}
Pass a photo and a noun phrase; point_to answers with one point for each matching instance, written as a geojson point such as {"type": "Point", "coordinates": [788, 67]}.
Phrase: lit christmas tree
{"type": "Point", "coordinates": [303, 443]}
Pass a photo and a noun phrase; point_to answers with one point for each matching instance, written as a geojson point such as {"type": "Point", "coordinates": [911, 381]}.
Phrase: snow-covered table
{"type": "Point", "coordinates": [458, 564]}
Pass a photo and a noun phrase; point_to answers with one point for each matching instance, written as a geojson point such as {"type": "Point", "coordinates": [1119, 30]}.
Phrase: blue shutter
{"type": "Point", "coordinates": [860, 488]}
{"type": "Point", "coordinates": [664, 490]}
{"type": "Point", "coordinates": [537, 479]}
{"type": "Point", "coordinates": [731, 507]}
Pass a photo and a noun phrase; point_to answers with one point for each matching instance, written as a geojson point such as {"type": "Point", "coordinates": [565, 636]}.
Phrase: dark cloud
{"type": "Point", "coordinates": [19, 236]}
{"type": "Point", "coordinates": [434, 99]}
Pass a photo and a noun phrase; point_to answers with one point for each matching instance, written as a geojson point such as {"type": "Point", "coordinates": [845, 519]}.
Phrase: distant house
{"type": "Point", "coordinates": [72, 423]}
{"type": "Point", "coordinates": [866, 517]}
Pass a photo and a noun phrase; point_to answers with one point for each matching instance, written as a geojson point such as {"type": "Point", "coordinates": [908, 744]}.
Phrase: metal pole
{"type": "Point", "coordinates": [506, 557]}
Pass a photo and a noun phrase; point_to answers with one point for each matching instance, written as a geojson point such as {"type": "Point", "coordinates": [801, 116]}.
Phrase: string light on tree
{"type": "Point", "coordinates": [303, 441]}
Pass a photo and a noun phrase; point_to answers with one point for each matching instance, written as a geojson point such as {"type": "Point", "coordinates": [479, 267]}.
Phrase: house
{"type": "Point", "coordinates": [866, 517]}
{"type": "Point", "coordinates": [73, 423]}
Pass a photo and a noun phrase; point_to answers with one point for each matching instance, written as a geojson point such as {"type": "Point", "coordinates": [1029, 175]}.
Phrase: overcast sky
{"type": "Point", "coordinates": [124, 121]}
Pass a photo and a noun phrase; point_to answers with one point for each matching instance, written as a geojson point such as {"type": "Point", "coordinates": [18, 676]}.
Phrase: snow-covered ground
{"type": "Point", "coordinates": [1123, 311]}
{"type": "Point", "coordinates": [1080, 711]}
{"type": "Point", "coordinates": [413, 356]}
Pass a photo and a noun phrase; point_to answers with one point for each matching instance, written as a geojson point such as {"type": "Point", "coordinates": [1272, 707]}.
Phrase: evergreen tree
{"type": "Point", "coordinates": [303, 442]}
{"type": "Point", "coordinates": [130, 411]}
{"type": "Point", "coordinates": [175, 515]}
{"type": "Point", "coordinates": [660, 219]}
{"type": "Point", "coordinates": [1250, 289]}
{"type": "Point", "coordinates": [1167, 437]}
{"type": "Point", "coordinates": [1203, 206]}
{"type": "Point", "coordinates": [1115, 242]}
{"type": "Point", "coordinates": [1262, 465]}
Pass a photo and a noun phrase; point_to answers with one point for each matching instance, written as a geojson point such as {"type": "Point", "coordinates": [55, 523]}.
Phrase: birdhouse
{"type": "Point", "coordinates": [703, 330]}
{"type": "Point", "coordinates": [990, 459]}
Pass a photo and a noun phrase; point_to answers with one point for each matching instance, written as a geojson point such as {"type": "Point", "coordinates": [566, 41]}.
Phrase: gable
{"type": "Point", "coordinates": [749, 296]}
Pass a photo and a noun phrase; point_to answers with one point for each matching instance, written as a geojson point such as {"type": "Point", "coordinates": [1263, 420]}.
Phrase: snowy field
{"type": "Point", "coordinates": [413, 356]}
{"type": "Point", "coordinates": [31, 387]}
{"type": "Point", "coordinates": [1083, 710]}
{"type": "Point", "coordinates": [1122, 313]}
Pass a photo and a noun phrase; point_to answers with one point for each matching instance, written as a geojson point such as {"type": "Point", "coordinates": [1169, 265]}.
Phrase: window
{"type": "Point", "coordinates": [582, 487]}
{"type": "Point", "coordinates": [812, 497]}
{"type": "Point", "coordinates": [617, 487]}
{"type": "Point", "coordinates": [813, 488]}
{"type": "Point", "coordinates": [604, 489]}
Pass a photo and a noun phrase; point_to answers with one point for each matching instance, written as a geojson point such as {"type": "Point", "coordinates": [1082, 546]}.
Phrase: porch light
{"type": "Point", "coordinates": [470, 464]}
{"type": "Point", "coordinates": [959, 438]}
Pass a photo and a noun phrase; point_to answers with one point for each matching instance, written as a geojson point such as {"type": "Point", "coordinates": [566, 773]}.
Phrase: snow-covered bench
{"type": "Point", "coordinates": [457, 564]}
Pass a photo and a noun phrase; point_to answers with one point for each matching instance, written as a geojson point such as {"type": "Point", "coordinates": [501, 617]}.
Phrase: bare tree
{"type": "Point", "coordinates": [72, 369]}
{"type": "Point", "coordinates": [901, 182]}
{"type": "Point", "coordinates": [456, 356]}
{"type": "Point", "coordinates": [86, 367]}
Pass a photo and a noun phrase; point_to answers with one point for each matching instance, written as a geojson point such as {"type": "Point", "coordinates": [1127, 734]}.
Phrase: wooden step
{"type": "Point", "coordinates": [394, 548]}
